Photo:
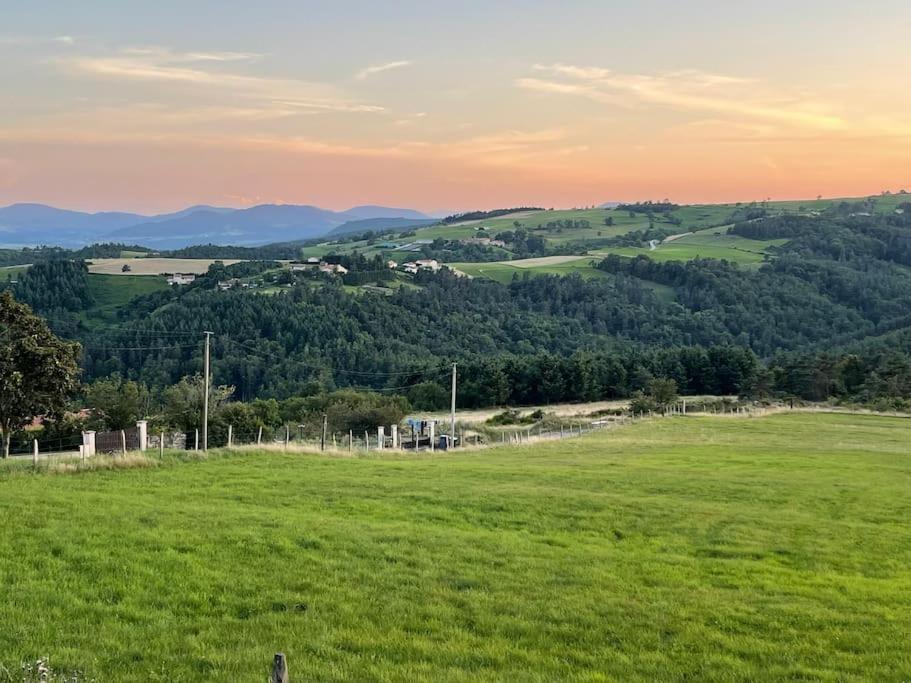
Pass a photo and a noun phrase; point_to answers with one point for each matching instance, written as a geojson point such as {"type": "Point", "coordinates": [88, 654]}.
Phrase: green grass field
{"type": "Point", "coordinates": [11, 272]}
{"type": "Point", "coordinates": [112, 292]}
{"type": "Point", "coordinates": [503, 271]}
{"type": "Point", "coordinates": [709, 243]}
{"type": "Point", "coordinates": [773, 548]}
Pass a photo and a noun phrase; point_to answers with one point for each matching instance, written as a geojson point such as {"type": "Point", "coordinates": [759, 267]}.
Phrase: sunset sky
{"type": "Point", "coordinates": [152, 106]}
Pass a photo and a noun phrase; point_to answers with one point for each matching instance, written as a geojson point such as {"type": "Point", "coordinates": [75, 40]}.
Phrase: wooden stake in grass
{"type": "Point", "coordinates": [161, 445]}
{"type": "Point", "coordinates": [35, 452]}
{"type": "Point", "coordinates": [259, 436]}
{"type": "Point", "coordinates": [123, 443]}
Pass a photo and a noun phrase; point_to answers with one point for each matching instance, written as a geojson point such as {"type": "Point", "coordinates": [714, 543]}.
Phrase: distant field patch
{"type": "Point", "coordinates": [12, 271]}
{"type": "Point", "coordinates": [153, 266]}
{"type": "Point", "coordinates": [111, 293]}
{"type": "Point", "coordinates": [709, 243]}
{"type": "Point", "coordinates": [503, 271]}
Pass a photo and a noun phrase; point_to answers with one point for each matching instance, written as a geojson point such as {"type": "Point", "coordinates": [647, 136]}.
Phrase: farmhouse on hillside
{"type": "Point", "coordinates": [180, 278]}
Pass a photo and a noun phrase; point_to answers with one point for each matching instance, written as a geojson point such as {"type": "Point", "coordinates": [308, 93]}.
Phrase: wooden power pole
{"type": "Point", "coordinates": [452, 409]}
{"type": "Point", "coordinates": [205, 401]}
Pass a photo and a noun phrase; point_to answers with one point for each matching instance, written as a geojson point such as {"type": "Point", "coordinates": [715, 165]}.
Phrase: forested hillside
{"type": "Point", "coordinates": [828, 314]}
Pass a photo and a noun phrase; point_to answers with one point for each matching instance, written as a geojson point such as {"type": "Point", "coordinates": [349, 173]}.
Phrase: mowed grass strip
{"type": "Point", "coordinates": [702, 548]}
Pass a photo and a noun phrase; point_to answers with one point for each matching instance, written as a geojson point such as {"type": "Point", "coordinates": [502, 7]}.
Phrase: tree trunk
{"type": "Point", "coordinates": [7, 437]}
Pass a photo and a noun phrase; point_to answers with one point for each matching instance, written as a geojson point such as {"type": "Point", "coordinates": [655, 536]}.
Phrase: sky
{"type": "Point", "coordinates": [154, 106]}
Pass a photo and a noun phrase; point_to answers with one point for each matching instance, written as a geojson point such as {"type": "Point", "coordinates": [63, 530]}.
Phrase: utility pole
{"type": "Point", "coordinates": [205, 404]}
{"type": "Point", "coordinates": [452, 409]}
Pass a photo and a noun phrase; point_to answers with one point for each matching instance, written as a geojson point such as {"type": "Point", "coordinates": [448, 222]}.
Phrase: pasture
{"type": "Point", "coordinates": [111, 293]}
{"type": "Point", "coordinates": [504, 271]}
{"type": "Point", "coordinates": [708, 243]}
{"type": "Point", "coordinates": [697, 548]}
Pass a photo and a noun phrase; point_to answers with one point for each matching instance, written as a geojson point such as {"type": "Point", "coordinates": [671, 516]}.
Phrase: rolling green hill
{"type": "Point", "coordinates": [589, 231]}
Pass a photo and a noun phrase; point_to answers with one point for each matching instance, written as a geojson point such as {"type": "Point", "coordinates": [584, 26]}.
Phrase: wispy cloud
{"type": "Point", "coordinates": [687, 90]}
{"type": "Point", "coordinates": [214, 71]}
{"type": "Point", "coordinates": [369, 71]}
{"type": "Point", "coordinates": [36, 40]}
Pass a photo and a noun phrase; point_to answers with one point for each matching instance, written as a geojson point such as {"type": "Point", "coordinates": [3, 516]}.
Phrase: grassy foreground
{"type": "Point", "coordinates": [700, 548]}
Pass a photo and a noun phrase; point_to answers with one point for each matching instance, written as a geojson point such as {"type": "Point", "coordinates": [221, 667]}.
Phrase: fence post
{"type": "Point", "coordinates": [123, 442]}
{"type": "Point", "coordinates": [433, 429]}
{"type": "Point", "coordinates": [287, 436]}
{"type": "Point", "coordinates": [82, 454]}
{"type": "Point", "coordinates": [161, 444]}
{"type": "Point", "coordinates": [394, 429]}
{"type": "Point", "coordinates": [259, 436]}
{"type": "Point", "coordinates": [322, 438]}
{"type": "Point", "coordinates": [280, 669]}
{"type": "Point", "coordinates": [380, 438]}
{"type": "Point", "coordinates": [230, 435]}
{"type": "Point", "coordinates": [196, 440]}
{"type": "Point", "coordinates": [143, 427]}
{"type": "Point", "coordinates": [350, 440]}
{"type": "Point", "coordinates": [35, 452]}
{"type": "Point", "coordinates": [366, 441]}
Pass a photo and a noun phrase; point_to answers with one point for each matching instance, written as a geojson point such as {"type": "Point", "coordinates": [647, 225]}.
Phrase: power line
{"type": "Point", "coordinates": [403, 373]}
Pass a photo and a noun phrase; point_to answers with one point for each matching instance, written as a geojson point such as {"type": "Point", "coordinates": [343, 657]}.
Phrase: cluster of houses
{"type": "Point", "coordinates": [413, 267]}
{"type": "Point", "coordinates": [315, 264]}
{"type": "Point", "coordinates": [225, 285]}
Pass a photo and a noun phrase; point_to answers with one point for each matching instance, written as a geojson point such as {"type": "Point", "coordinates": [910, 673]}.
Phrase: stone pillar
{"type": "Point", "coordinates": [394, 430]}
{"type": "Point", "coordinates": [88, 441]}
{"type": "Point", "coordinates": [380, 438]}
{"type": "Point", "coordinates": [143, 427]}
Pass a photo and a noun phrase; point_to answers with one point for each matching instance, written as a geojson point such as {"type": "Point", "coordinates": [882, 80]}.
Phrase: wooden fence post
{"type": "Point", "coordinates": [230, 435]}
{"type": "Point", "coordinates": [161, 445]}
{"type": "Point", "coordinates": [35, 452]}
{"type": "Point", "coordinates": [259, 436]}
{"type": "Point", "coordinates": [196, 442]}
{"type": "Point", "coordinates": [280, 669]}
{"type": "Point", "coordinates": [123, 442]}
{"type": "Point", "coordinates": [350, 440]}
{"type": "Point", "coordinates": [287, 436]}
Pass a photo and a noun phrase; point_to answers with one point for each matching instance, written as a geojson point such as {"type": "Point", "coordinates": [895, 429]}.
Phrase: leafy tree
{"type": "Point", "coordinates": [117, 403]}
{"type": "Point", "coordinates": [38, 371]}
{"type": "Point", "coordinates": [183, 402]}
{"type": "Point", "coordinates": [428, 396]}
{"type": "Point", "coordinates": [662, 392]}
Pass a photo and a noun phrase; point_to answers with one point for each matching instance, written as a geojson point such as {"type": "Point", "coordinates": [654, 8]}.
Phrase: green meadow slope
{"type": "Point", "coordinates": [772, 548]}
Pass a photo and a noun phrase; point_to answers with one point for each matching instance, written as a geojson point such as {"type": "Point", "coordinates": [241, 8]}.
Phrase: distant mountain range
{"type": "Point", "coordinates": [37, 224]}
{"type": "Point", "coordinates": [378, 224]}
